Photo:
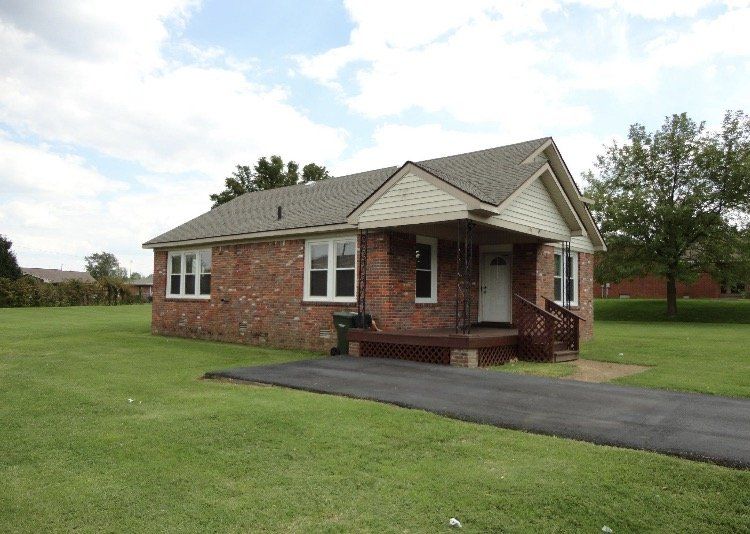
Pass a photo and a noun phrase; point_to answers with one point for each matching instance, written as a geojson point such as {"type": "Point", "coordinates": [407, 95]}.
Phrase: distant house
{"type": "Point", "coordinates": [467, 259]}
{"type": "Point", "coordinates": [55, 276]}
{"type": "Point", "coordinates": [143, 287]}
{"type": "Point", "coordinates": [655, 287]}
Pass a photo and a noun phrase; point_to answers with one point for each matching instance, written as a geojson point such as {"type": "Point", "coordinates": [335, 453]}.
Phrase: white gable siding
{"type": "Point", "coordinates": [534, 208]}
{"type": "Point", "coordinates": [581, 244]}
{"type": "Point", "coordinates": [411, 196]}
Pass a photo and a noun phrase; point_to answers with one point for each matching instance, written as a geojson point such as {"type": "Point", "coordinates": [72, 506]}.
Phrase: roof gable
{"type": "Point", "coordinates": [489, 175]}
{"type": "Point", "coordinates": [535, 209]}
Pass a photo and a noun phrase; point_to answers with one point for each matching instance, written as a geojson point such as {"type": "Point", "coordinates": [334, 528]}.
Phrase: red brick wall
{"type": "Point", "coordinates": [655, 287]}
{"type": "Point", "coordinates": [534, 276]}
{"type": "Point", "coordinates": [257, 289]}
{"type": "Point", "coordinates": [586, 294]}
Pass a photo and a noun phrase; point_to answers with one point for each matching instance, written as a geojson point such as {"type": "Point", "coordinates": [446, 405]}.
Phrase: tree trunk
{"type": "Point", "coordinates": [671, 296]}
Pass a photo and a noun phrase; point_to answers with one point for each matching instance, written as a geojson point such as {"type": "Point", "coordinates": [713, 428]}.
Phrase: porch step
{"type": "Point", "coordinates": [565, 355]}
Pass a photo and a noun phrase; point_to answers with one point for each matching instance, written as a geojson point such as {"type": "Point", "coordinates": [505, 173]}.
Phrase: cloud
{"type": "Point", "coordinates": [119, 80]}
{"type": "Point", "coordinates": [650, 9]}
{"type": "Point", "coordinates": [479, 62]}
{"type": "Point", "coordinates": [520, 65]}
{"type": "Point", "coordinates": [112, 84]}
{"type": "Point", "coordinates": [393, 144]}
{"type": "Point", "coordinates": [57, 208]}
{"type": "Point", "coordinates": [36, 171]}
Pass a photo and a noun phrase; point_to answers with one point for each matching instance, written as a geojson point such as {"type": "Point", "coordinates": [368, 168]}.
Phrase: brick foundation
{"type": "Point", "coordinates": [464, 358]}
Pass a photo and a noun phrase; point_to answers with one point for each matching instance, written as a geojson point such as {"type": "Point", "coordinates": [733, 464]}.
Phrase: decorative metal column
{"type": "Point", "coordinates": [568, 276]}
{"type": "Point", "coordinates": [362, 278]}
{"type": "Point", "coordinates": [464, 265]}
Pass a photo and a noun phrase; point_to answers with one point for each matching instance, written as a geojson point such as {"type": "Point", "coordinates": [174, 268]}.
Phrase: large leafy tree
{"type": "Point", "coordinates": [268, 173]}
{"type": "Point", "coordinates": [104, 265]}
{"type": "Point", "coordinates": [674, 202]}
{"type": "Point", "coordinates": [8, 264]}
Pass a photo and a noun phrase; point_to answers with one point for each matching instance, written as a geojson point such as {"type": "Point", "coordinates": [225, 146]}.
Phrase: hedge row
{"type": "Point", "coordinates": [31, 292]}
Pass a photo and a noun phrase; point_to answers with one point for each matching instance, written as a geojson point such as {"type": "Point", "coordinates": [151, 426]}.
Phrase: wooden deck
{"type": "Point", "coordinates": [480, 336]}
{"type": "Point", "coordinates": [484, 346]}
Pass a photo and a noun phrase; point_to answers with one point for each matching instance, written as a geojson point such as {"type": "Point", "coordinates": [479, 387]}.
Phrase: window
{"type": "Point", "coordinates": [189, 274]}
{"type": "Point", "coordinates": [566, 278]}
{"type": "Point", "coordinates": [426, 275]}
{"type": "Point", "coordinates": [330, 267]}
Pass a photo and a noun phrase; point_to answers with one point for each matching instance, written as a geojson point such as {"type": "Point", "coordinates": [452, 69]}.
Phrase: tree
{"type": "Point", "coordinates": [314, 173]}
{"type": "Point", "coordinates": [104, 265]}
{"type": "Point", "coordinates": [268, 173]}
{"type": "Point", "coordinates": [8, 264]}
{"type": "Point", "coordinates": [674, 202]}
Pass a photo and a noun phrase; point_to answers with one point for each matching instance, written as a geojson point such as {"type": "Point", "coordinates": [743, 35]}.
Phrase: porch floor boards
{"type": "Point", "coordinates": [479, 337]}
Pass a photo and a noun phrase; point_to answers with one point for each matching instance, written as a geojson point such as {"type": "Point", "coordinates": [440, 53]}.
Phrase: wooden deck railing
{"type": "Point", "coordinates": [536, 331]}
{"type": "Point", "coordinates": [567, 327]}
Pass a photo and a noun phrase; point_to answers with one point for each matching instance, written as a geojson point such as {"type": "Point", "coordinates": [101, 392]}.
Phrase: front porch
{"type": "Point", "coordinates": [541, 336]}
{"type": "Point", "coordinates": [484, 301]}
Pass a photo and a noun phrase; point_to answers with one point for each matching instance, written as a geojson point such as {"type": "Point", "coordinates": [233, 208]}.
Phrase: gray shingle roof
{"type": "Point", "coordinates": [490, 175]}
{"type": "Point", "coordinates": [55, 276]}
{"type": "Point", "coordinates": [147, 281]}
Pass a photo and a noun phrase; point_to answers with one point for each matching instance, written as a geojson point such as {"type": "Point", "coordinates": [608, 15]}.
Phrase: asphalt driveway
{"type": "Point", "coordinates": [690, 425]}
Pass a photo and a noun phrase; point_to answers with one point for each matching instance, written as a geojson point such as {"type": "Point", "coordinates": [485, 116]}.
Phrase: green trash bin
{"type": "Point", "coordinates": [343, 321]}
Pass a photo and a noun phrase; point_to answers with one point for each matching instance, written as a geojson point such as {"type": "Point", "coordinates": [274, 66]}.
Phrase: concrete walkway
{"type": "Point", "coordinates": [690, 425]}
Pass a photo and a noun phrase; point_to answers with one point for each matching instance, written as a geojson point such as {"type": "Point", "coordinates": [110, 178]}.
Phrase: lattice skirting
{"type": "Point", "coordinates": [487, 356]}
{"type": "Point", "coordinates": [399, 351]}
{"type": "Point", "coordinates": [534, 352]}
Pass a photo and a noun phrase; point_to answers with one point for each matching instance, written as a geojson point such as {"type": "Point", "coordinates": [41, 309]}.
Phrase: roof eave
{"type": "Point", "coordinates": [250, 236]}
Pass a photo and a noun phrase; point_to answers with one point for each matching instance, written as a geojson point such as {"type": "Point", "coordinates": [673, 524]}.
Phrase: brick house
{"type": "Point", "coordinates": [655, 287]}
{"type": "Point", "coordinates": [467, 259]}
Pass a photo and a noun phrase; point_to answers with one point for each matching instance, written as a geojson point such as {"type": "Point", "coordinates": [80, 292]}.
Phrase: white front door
{"type": "Point", "coordinates": [495, 288]}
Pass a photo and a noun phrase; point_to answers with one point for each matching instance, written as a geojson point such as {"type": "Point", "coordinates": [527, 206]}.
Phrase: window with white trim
{"type": "Point", "coordinates": [566, 278]}
{"type": "Point", "coordinates": [330, 269]}
{"type": "Point", "coordinates": [189, 274]}
{"type": "Point", "coordinates": [426, 273]}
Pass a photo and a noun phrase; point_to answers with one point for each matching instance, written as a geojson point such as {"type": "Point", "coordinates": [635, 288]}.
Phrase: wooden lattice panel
{"type": "Point", "coordinates": [536, 331]}
{"type": "Point", "coordinates": [566, 326]}
{"type": "Point", "coordinates": [488, 356]}
{"type": "Point", "coordinates": [401, 351]}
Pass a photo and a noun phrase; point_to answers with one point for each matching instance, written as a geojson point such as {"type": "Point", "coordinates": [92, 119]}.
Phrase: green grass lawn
{"type": "Point", "coordinates": [193, 455]}
{"type": "Point", "coordinates": [707, 349]}
{"type": "Point", "coordinates": [702, 357]}
{"type": "Point", "coordinates": [688, 355]}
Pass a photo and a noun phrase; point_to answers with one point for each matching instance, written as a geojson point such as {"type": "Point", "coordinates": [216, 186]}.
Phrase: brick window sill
{"type": "Point", "coordinates": [328, 303]}
{"type": "Point", "coordinates": [173, 299]}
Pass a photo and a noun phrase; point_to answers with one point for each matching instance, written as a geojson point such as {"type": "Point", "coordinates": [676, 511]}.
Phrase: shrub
{"type": "Point", "coordinates": [30, 292]}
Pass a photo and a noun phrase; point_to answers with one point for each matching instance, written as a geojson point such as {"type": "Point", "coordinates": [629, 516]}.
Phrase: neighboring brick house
{"type": "Point", "coordinates": [438, 244]}
{"type": "Point", "coordinates": [142, 287]}
{"type": "Point", "coordinates": [655, 287]}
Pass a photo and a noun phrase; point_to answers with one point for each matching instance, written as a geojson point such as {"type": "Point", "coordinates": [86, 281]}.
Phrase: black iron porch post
{"type": "Point", "coordinates": [464, 265]}
{"type": "Point", "coordinates": [362, 279]}
{"type": "Point", "coordinates": [568, 275]}
{"type": "Point", "coordinates": [459, 281]}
